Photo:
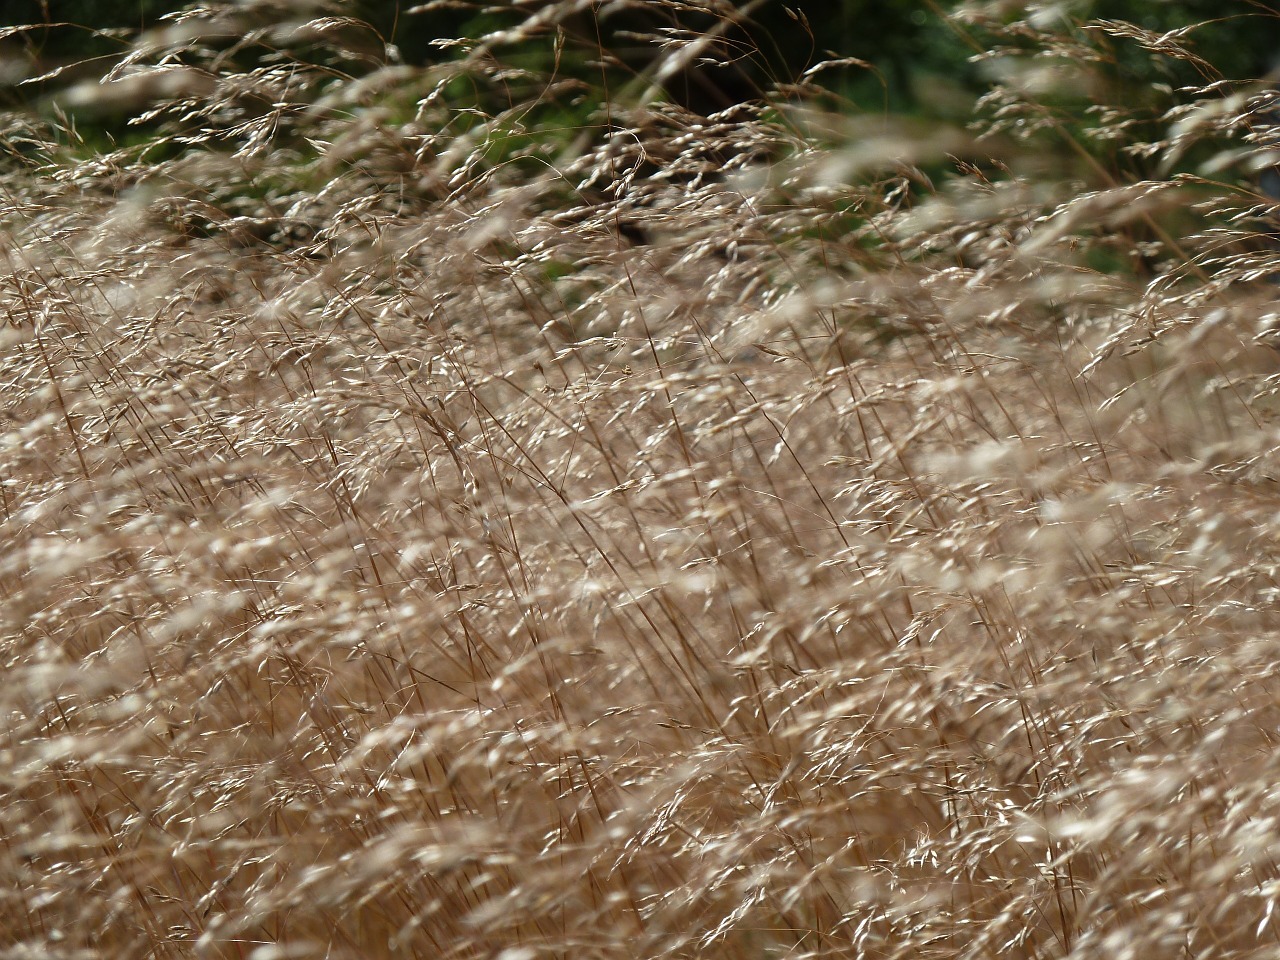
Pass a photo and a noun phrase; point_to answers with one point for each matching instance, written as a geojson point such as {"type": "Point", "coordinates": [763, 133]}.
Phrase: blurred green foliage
{"type": "Point", "coordinates": [906, 57]}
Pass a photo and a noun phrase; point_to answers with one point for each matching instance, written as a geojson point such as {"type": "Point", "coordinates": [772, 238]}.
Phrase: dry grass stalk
{"type": "Point", "coordinates": [408, 555]}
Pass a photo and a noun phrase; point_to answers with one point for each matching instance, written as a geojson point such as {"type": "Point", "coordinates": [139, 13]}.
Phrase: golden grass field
{"type": "Point", "coordinates": [409, 554]}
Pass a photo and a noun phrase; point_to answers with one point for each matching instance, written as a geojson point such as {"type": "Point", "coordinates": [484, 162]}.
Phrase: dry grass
{"type": "Point", "coordinates": [410, 554]}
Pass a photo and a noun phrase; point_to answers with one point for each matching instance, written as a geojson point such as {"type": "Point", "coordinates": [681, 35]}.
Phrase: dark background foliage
{"type": "Point", "coordinates": [910, 56]}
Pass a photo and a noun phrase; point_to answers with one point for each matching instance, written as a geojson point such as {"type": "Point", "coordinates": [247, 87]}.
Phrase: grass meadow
{"type": "Point", "coordinates": [480, 511]}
